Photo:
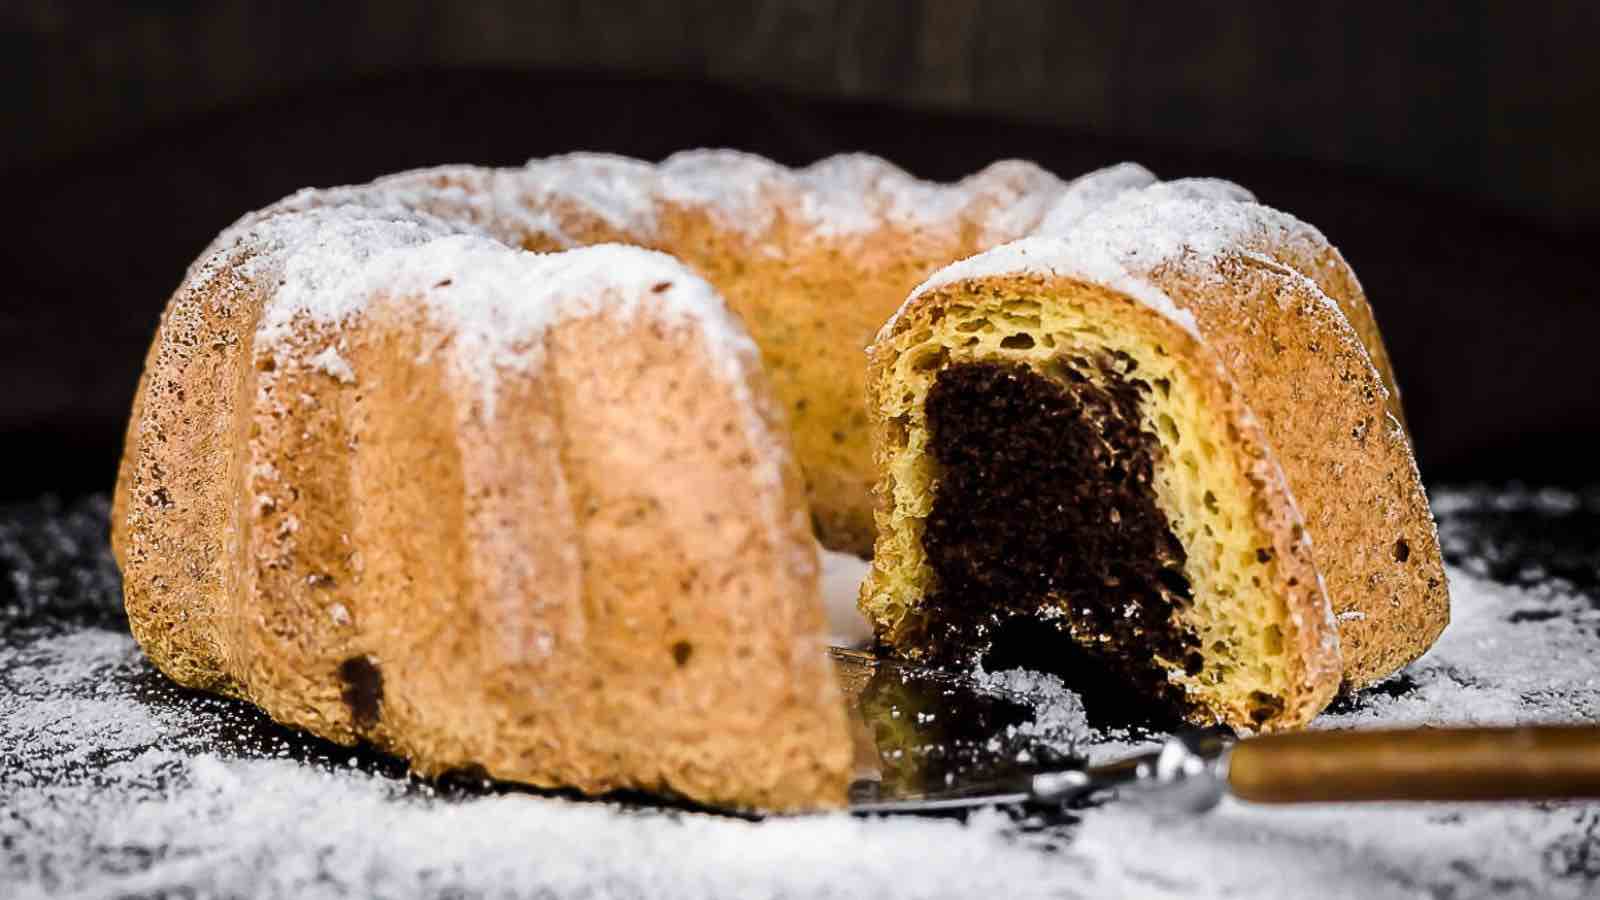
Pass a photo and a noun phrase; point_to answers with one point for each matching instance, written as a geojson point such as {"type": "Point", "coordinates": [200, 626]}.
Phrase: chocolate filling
{"type": "Point", "coordinates": [1044, 509]}
{"type": "Point", "coordinates": [363, 690]}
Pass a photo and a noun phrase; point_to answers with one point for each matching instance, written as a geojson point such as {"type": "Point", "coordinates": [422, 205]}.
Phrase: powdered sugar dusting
{"type": "Point", "coordinates": [1086, 258]}
{"type": "Point", "coordinates": [1058, 713]}
{"type": "Point", "coordinates": [1087, 193]}
{"type": "Point", "coordinates": [1217, 190]}
{"type": "Point", "coordinates": [325, 265]}
{"type": "Point", "coordinates": [308, 260]}
{"type": "Point", "coordinates": [1115, 221]}
{"type": "Point", "coordinates": [836, 198]}
{"type": "Point", "coordinates": [499, 302]}
{"type": "Point", "coordinates": [1192, 221]}
{"type": "Point", "coordinates": [852, 194]}
{"type": "Point", "coordinates": [330, 363]}
{"type": "Point", "coordinates": [741, 190]}
{"type": "Point", "coordinates": [620, 191]}
{"type": "Point", "coordinates": [1117, 226]}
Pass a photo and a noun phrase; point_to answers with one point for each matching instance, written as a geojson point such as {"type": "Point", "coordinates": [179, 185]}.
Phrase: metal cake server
{"type": "Point", "coordinates": [1188, 773]}
{"type": "Point", "coordinates": [1192, 773]}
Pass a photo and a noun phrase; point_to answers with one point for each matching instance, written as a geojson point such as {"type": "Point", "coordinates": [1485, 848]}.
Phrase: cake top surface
{"type": "Point", "coordinates": [329, 250]}
{"type": "Point", "coordinates": [838, 197]}
{"type": "Point", "coordinates": [1089, 192]}
{"type": "Point", "coordinates": [1115, 226]}
{"type": "Point", "coordinates": [1118, 226]}
{"type": "Point", "coordinates": [323, 268]}
{"type": "Point", "coordinates": [1056, 257]}
{"type": "Point", "coordinates": [325, 265]}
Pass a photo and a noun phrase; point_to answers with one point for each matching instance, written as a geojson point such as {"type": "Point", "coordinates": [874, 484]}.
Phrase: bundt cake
{"type": "Point", "coordinates": [534, 516]}
{"type": "Point", "coordinates": [1166, 428]}
{"type": "Point", "coordinates": [546, 515]}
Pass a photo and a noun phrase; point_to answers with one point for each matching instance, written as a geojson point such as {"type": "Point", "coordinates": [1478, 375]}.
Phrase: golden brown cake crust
{"type": "Point", "coordinates": [570, 550]}
{"type": "Point", "coordinates": [1291, 323]}
{"type": "Point", "coordinates": [1348, 458]}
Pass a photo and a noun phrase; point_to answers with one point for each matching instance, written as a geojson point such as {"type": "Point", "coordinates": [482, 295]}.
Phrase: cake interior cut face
{"type": "Point", "coordinates": [1063, 473]}
{"type": "Point", "coordinates": [1045, 506]}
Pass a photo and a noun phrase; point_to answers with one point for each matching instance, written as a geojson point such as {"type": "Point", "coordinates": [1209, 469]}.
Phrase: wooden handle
{"type": "Point", "coordinates": [1531, 763]}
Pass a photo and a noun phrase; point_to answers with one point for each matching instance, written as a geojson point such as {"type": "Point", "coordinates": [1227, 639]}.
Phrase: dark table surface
{"type": "Point", "coordinates": [114, 782]}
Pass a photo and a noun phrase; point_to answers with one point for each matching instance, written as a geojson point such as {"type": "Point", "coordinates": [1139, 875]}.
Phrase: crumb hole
{"type": "Point", "coordinates": [1169, 428]}
{"type": "Point", "coordinates": [1402, 550]}
{"type": "Point", "coordinates": [930, 360]}
{"type": "Point", "coordinates": [1264, 706]}
{"type": "Point", "coordinates": [1017, 342]}
{"type": "Point", "coordinates": [899, 430]}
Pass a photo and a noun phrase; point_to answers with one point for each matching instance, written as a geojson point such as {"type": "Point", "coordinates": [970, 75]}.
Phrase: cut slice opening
{"type": "Point", "coordinates": [1068, 458]}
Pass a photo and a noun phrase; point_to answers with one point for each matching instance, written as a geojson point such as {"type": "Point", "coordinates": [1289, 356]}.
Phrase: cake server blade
{"type": "Point", "coordinates": [1187, 774]}
{"type": "Point", "coordinates": [930, 741]}
{"type": "Point", "coordinates": [893, 705]}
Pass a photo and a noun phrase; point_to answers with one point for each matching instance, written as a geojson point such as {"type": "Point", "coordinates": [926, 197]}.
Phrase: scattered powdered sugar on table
{"type": "Point", "coordinates": [113, 782]}
{"type": "Point", "coordinates": [272, 828]}
{"type": "Point", "coordinates": [1059, 718]}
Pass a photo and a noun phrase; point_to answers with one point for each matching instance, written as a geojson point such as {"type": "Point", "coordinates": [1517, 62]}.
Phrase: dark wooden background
{"type": "Point", "coordinates": [1446, 147]}
{"type": "Point", "coordinates": [1496, 100]}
